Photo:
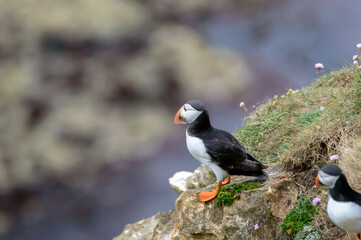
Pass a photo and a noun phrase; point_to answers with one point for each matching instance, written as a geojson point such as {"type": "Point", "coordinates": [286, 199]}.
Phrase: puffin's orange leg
{"type": "Point", "coordinates": [358, 237]}
{"type": "Point", "coordinates": [209, 195]}
{"type": "Point", "coordinates": [225, 181]}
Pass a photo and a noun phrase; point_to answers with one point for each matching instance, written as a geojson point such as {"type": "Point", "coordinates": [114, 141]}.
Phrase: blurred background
{"type": "Point", "coordinates": [89, 89]}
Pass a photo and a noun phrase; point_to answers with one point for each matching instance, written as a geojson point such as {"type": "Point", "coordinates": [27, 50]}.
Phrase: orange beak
{"type": "Point", "coordinates": [316, 182]}
{"type": "Point", "coordinates": [178, 118]}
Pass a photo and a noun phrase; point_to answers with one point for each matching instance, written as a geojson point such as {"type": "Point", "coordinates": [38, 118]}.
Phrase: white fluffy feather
{"type": "Point", "coordinates": [346, 215]}
{"type": "Point", "coordinates": [197, 149]}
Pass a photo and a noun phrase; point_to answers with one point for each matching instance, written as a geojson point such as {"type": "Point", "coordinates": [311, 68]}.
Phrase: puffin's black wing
{"type": "Point", "coordinates": [230, 155]}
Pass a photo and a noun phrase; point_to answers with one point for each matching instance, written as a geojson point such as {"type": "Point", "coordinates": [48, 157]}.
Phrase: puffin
{"type": "Point", "coordinates": [215, 148]}
{"type": "Point", "coordinates": [344, 203]}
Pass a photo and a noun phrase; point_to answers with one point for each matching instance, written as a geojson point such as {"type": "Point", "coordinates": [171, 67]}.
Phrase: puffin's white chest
{"type": "Point", "coordinates": [346, 215]}
{"type": "Point", "coordinates": [197, 149]}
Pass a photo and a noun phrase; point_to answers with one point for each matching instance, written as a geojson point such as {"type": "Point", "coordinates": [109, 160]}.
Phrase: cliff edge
{"type": "Point", "coordinates": [296, 134]}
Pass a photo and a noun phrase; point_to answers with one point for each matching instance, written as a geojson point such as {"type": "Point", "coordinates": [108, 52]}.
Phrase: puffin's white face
{"type": "Point", "coordinates": [186, 114]}
{"type": "Point", "coordinates": [327, 180]}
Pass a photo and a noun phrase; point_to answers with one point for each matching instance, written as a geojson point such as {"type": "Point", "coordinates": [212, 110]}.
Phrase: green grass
{"type": "Point", "coordinates": [229, 193]}
{"type": "Point", "coordinates": [358, 93]}
{"type": "Point", "coordinates": [294, 131]}
{"type": "Point", "coordinates": [307, 118]}
{"type": "Point", "coordinates": [253, 133]}
{"type": "Point", "coordinates": [300, 216]}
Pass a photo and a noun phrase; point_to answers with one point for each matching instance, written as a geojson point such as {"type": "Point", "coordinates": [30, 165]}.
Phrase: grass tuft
{"type": "Point", "coordinates": [229, 193]}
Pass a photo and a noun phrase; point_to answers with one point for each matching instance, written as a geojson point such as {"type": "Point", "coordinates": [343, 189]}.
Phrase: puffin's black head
{"type": "Point", "coordinates": [189, 112]}
{"type": "Point", "coordinates": [328, 176]}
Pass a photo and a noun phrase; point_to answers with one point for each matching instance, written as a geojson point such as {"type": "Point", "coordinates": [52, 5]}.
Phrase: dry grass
{"type": "Point", "coordinates": [296, 132]}
{"type": "Point", "coordinates": [350, 162]}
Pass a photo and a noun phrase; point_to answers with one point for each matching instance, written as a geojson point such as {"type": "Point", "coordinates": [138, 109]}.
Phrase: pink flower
{"type": "Point", "coordinates": [316, 201]}
{"type": "Point", "coordinates": [242, 105]}
{"type": "Point", "coordinates": [256, 227]}
{"type": "Point", "coordinates": [322, 108]}
{"type": "Point", "coordinates": [358, 46]}
{"type": "Point", "coordinates": [319, 66]}
{"type": "Point", "coordinates": [334, 157]}
{"type": "Point", "coordinates": [355, 57]}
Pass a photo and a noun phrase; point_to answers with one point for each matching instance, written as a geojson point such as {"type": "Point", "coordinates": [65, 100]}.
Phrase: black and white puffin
{"type": "Point", "coordinates": [215, 148]}
{"type": "Point", "coordinates": [344, 203]}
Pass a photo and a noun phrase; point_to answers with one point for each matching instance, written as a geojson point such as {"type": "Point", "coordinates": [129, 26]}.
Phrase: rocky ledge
{"type": "Point", "coordinates": [191, 219]}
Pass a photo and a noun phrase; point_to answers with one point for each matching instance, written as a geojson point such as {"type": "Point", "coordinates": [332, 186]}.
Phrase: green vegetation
{"type": "Point", "coordinates": [229, 193]}
{"type": "Point", "coordinates": [304, 127]}
{"type": "Point", "coordinates": [301, 130]}
{"type": "Point", "coordinates": [306, 119]}
{"type": "Point", "coordinates": [299, 217]}
{"type": "Point", "coordinates": [358, 93]}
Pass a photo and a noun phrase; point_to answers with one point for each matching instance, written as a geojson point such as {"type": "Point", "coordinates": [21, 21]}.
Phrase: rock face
{"type": "Point", "coordinates": [157, 227]}
{"type": "Point", "coordinates": [202, 177]}
{"type": "Point", "coordinates": [266, 206]}
{"type": "Point", "coordinates": [192, 219]}
{"type": "Point", "coordinates": [184, 180]}
{"type": "Point", "coordinates": [179, 181]}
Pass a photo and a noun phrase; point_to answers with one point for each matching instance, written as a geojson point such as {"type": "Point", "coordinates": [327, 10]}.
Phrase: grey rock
{"type": "Point", "coordinates": [202, 177]}
{"type": "Point", "coordinates": [158, 227]}
{"type": "Point", "coordinates": [179, 181]}
{"type": "Point", "coordinates": [184, 180]}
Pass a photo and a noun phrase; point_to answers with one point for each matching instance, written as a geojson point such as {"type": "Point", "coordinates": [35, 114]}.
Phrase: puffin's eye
{"type": "Point", "coordinates": [185, 108]}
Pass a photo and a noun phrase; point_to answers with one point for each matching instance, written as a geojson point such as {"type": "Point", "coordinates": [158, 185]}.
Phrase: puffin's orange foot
{"type": "Point", "coordinates": [358, 237]}
{"type": "Point", "coordinates": [225, 181]}
{"type": "Point", "coordinates": [207, 196]}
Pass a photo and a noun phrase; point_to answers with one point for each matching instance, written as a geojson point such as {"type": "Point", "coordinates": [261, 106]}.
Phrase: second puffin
{"type": "Point", "coordinates": [215, 148]}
